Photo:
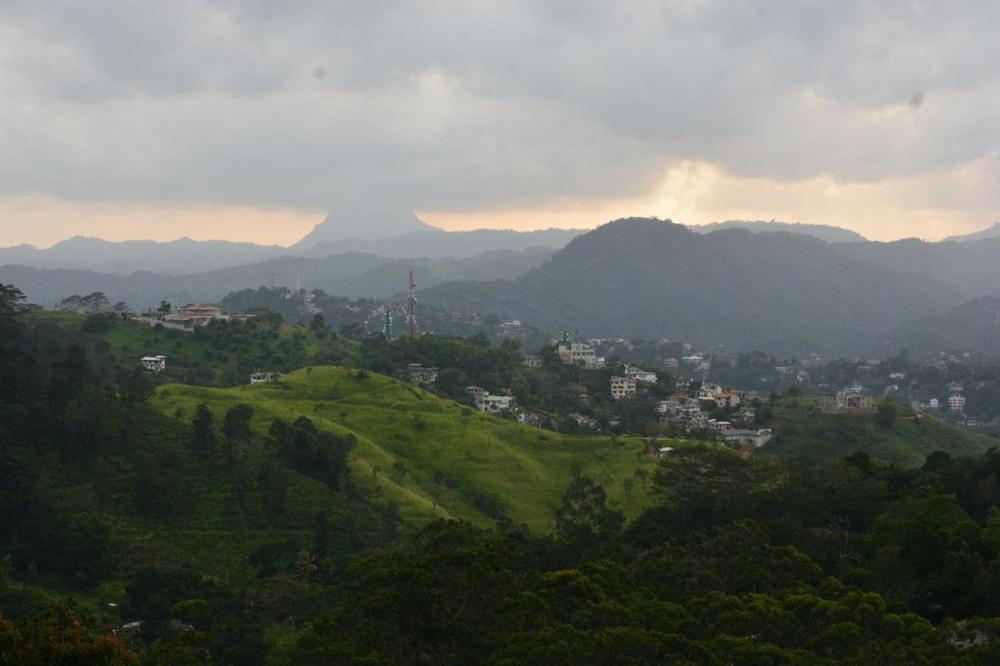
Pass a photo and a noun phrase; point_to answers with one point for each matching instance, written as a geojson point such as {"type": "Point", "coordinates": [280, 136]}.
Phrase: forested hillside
{"type": "Point", "coordinates": [340, 516]}
{"type": "Point", "coordinates": [973, 326]}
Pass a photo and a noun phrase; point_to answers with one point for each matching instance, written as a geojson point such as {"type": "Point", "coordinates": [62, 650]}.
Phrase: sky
{"type": "Point", "coordinates": [250, 120]}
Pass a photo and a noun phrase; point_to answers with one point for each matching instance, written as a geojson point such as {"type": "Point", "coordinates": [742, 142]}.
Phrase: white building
{"type": "Point", "coordinates": [757, 438]}
{"type": "Point", "coordinates": [622, 387]}
{"type": "Point", "coordinates": [579, 353]}
{"type": "Point", "coordinates": [640, 375]}
{"type": "Point", "coordinates": [494, 404]}
{"type": "Point", "coordinates": [956, 402]}
{"type": "Point", "coordinates": [153, 363]}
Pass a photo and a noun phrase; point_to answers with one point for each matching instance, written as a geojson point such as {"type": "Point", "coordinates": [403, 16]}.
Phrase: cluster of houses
{"type": "Point", "coordinates": [956, 401]}
{"type": "Point", "coordinates": [738, 430]}
{"type": "Point", "coordinates": [191, 316]}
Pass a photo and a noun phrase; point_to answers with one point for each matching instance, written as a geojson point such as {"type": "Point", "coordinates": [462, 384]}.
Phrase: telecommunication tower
{"type": "Point", "coordinates": [410, 309]}
{"type": "Point", "coordinates": [387, 323]}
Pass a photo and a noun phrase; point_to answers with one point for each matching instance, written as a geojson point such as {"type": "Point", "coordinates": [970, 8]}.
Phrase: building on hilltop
{"type": "Point", "coordinates": [851, 400]}
{"type": "Point", "coordinates": [191, 316]}
{"type": "Point", "coordinates": [579, 353]}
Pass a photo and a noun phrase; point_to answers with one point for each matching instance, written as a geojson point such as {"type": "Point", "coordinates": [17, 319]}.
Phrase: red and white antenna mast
{"type": "Point", "coordinates": [410, 309]}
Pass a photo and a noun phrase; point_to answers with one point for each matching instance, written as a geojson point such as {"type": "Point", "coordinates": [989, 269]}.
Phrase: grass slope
{"type": "Point", "coordinates": [522, 469]}
{"type": "Point", "coordinates": [801, 431]}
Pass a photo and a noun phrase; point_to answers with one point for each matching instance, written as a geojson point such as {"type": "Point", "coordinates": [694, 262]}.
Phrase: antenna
{"type": "Point", "coordinates": [410, 309]}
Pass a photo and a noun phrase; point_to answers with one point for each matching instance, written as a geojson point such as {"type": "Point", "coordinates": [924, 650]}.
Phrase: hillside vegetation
{"type": "Point", "coordinates": [225, 354]}
{"type": "Point", "coordinates": [428, 457]}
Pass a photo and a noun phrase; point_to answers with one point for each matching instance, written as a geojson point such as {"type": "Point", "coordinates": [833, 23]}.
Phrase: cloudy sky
{"type": "Point", "coordinates": [249, 120]}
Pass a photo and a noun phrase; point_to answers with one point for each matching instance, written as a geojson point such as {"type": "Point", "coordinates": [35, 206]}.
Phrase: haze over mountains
{"type": "Point", "coordinates": [412, 238]}
{"type": "Point", "coordinates": [738, 285]}
{"type": "Point", "coordinates": [352, 274]}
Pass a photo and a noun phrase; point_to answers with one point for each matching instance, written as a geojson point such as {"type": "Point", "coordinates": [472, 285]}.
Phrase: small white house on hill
{"type": "Point", "coordinates": [153, 363]}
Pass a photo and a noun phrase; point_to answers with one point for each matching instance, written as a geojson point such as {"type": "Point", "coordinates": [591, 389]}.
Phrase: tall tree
{"type": "Point", "coordinates": [584, 513]}
{"type": "Point", "coordinates": [204, 431]}
{"type": "Point", "coordinates": [236, 429]}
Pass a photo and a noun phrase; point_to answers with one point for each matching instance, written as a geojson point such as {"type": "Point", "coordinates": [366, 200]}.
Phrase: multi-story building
{"type": "Point", "coordinates": [622, 387]}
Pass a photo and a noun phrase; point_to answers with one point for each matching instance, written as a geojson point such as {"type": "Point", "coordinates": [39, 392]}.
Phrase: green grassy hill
{"type": "Point", "coordinates": [458, 463]}
{"type": "Point", "coordinates": [801, 431]}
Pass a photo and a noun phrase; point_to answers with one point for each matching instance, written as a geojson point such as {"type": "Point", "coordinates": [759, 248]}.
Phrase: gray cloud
{"type": "Point", "coordinates": [473, 105]}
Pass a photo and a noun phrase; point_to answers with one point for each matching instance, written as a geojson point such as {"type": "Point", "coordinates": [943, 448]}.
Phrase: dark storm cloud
{"type": "Point", "coordinates": [478, 104]}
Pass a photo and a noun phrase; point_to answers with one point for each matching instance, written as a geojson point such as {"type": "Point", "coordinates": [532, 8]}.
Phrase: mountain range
{"type": "Point", "coordinates": [186, 256]}
{"type": "Point", "coordinates": [734, 290]}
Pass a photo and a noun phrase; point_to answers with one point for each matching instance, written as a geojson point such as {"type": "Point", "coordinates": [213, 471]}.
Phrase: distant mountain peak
{"type": "Point", "coordinates": [367, 223]}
